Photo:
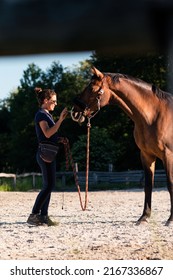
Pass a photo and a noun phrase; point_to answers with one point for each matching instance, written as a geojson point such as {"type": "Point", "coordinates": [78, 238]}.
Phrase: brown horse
{"type": "Point", "coordinates": [151, 110]}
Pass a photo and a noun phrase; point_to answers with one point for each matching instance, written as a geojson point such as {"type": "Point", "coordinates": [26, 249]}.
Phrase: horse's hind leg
{"type": "Point", "coordinates": [169, 173]}
{"type": "Point", "coordinates": [170, 189]}
{"type": "Point", "coordinates": [148, 162]}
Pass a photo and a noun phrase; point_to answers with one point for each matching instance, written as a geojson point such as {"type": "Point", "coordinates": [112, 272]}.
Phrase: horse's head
{"type": "Point", "coordinates": [89, 102]}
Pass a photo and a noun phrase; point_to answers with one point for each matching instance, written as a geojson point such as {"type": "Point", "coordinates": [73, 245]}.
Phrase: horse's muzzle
{"type": "Point", "coordinates": [78, 112]}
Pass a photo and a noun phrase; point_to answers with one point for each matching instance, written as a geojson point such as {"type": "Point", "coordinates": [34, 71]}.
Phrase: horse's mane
{"type": "Point", "coordinates": [160, 93]}
{"type": "Point", "coordinates": [156, 90]}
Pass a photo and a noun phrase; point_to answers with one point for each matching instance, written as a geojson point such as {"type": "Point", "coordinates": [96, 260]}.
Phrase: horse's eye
{"type": "Point", "coordinates": [95, 89]}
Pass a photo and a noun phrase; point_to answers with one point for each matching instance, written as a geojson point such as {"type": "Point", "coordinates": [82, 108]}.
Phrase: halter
{"type": "Point", "coordinates": [85, 108]}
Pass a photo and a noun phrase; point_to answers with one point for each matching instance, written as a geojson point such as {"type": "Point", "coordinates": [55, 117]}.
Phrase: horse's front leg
{"type": "Point", "coordinates": [148, 163]}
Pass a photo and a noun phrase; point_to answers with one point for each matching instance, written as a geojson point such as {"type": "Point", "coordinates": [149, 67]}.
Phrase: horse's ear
{"type": "Point", "coordinates": [97, 73]}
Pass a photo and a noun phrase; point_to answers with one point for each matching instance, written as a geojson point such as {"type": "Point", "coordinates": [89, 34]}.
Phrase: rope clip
{"type": "Point", "coordinates": [89, 123]}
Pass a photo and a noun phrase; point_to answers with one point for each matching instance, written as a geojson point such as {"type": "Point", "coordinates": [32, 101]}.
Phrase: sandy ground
{"type": "Point", "coordinates": [106, 230]}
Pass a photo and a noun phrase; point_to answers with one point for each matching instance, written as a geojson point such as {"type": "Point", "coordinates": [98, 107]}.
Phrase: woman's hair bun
{"type": "Point", "coordinates": [37, 90]}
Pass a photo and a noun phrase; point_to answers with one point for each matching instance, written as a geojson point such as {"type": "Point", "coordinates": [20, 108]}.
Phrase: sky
{"type": "Point", "coordinates": [12, 67]}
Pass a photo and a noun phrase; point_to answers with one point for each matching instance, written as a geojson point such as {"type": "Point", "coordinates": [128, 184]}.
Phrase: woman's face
{"type": "Point", "coordinates": [51, 103]}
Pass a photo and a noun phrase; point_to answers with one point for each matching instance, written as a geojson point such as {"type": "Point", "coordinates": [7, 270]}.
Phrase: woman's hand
{"type": "Point", "coordinates": [63, 114]}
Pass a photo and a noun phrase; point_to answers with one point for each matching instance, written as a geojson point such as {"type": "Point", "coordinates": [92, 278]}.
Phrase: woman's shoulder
{"type": "Point", "coordinates": [40, 115]}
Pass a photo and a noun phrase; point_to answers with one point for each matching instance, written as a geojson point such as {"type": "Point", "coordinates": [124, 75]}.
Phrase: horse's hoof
{"type": "Point", "coordinates": [142, 222]}
{"type": "Point", "coordinates": [169, 223]}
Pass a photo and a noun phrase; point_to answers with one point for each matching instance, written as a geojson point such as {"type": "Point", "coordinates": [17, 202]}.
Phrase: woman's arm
{"type": "Point", "coordinates": [49, 131]}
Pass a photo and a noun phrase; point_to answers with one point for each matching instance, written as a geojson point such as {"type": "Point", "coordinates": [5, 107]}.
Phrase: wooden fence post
{"type": "Point", "coordinates": [76, 167]}
{"type": "Point", "coordinates": [110, 167]}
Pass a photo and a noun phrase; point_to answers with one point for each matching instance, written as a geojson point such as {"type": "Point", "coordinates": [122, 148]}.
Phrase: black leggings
{"type": "Point", "coordinates": [49, 179]}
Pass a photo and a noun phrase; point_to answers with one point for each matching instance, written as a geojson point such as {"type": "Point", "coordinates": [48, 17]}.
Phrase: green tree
{"type": "Point", "coordinates": [102, 150]}
{"type": "Point", "coordinates": [4, 136]}
{"type": "Point", "coordinates": [151, 67]}
{"type": "Point", "coordinates": [22, 106]}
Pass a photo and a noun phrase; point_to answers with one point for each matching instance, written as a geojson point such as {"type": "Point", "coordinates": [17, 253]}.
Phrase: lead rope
{"type": "Point", "coordinates": [68, 156]}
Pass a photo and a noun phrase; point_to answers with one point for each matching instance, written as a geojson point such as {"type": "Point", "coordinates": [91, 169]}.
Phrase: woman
{"type": "Point", "coordinates": [46, 131]}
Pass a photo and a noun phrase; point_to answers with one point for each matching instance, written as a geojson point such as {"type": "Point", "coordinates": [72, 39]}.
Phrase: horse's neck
{"type": "Point", "coordinates": [134, 100]}
{"type": "Point", "coordinates": [119, 101]}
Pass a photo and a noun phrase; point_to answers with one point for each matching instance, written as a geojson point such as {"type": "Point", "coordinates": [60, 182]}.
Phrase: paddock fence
{"type": "Point", "coordinates": [126, 178]}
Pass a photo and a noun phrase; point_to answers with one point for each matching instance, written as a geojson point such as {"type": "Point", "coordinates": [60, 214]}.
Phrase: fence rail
{"type": "Point", "coordinates": [96, 177]}
{"type": "Point", "coordinates": [14, 177]}
{"type": "Point", "coordinates": [125, 177]}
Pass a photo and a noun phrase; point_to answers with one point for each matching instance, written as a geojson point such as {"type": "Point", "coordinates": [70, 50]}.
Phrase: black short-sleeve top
{"type": "Point", "coordinates": [42, 115]}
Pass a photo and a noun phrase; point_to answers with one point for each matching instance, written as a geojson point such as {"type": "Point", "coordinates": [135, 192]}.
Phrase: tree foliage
{"type": "Point", "coordinates": [102, 150]}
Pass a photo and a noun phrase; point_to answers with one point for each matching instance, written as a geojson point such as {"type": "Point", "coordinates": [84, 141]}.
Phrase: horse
{"type": "Point", "coordinates": [151, 110]}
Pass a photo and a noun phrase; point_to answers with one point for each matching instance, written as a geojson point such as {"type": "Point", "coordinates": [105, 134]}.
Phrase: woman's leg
{"type": "Point", "coordinates": [51, 186]}
{"type": "Point", "coordinates": [49, 178]}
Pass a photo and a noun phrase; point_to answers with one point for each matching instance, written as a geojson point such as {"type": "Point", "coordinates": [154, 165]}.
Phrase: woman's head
{"type": "Point", "coordinates": [46, 98]}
